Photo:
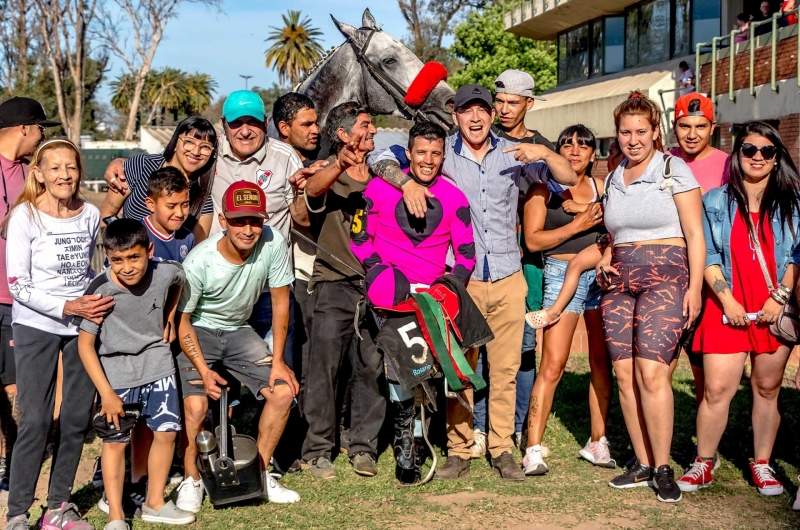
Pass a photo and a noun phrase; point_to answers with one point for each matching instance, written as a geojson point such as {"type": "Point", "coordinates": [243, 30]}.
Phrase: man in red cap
{"type": "Point", "coordinates": [225, 274]}
{"type": "Point", "coordinates": [694, 124]}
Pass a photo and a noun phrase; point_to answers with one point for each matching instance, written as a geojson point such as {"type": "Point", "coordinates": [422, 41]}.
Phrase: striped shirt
{"type": "Point", "coordinates": [492, 189]}
{"type": "Point", "coordinates": [137, 171]}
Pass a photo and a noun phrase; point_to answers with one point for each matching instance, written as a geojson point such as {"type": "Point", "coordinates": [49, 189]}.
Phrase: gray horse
{"type": "Point", "coordinates": [343, 76]}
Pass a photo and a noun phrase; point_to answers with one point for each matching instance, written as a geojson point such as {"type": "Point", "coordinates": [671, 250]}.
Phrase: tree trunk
{"type": "Point", "coordinates": [137, 96]}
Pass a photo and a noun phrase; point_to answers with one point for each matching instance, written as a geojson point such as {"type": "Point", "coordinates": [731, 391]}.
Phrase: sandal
{"type": "Point", "coordinates": [540, 319]}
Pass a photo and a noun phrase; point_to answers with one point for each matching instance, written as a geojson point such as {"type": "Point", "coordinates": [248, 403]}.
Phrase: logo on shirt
{"type": "Point", "coordinates": [263, 177]}
{"type": "Point", "coordinates": [184, 251]}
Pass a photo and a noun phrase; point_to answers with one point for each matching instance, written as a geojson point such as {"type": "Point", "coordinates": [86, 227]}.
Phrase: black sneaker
{"type": "Point", "coordinates": [668, 490]}
{"type": "Point", "coordinates": [635, 477]}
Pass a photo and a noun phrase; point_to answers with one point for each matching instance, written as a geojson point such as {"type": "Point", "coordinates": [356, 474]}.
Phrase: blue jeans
{"type": "Point", "coordinates": [525, 378]}
{"type": "Point", "coordinates": [261, 321]}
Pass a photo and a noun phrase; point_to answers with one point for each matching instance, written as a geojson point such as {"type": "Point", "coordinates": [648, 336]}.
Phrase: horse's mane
{"type": "Point", "coordinates": [316, 66]}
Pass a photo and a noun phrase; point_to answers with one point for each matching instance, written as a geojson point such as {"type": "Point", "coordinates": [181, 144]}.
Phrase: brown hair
{"type": "Point", "coordinates": [33, 189]}
{"type": "Point", "coordinates": [638, 104]}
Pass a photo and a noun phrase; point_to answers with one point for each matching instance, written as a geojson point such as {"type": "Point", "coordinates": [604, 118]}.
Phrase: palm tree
{"type": "Point", "coordinates": [294, 47]}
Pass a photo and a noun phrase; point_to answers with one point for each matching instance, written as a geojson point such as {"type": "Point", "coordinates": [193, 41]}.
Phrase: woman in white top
{"type": "Point", "coordinates": [50, 236]}
{"type": "Point", "coordinates": [653, 213]}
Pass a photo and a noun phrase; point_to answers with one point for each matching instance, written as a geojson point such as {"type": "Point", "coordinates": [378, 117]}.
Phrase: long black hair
{"type": "Point", "coordinates": [584, 136]}
{"type": "Point", "coordinates": [200, 181]}
{"type": "Point", "coordinates": [783, 186]}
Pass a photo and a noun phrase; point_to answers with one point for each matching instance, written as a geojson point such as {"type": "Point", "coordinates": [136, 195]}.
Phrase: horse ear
{"type": "Point", "coordinates": [347, 30]}
{"type": "Point", "coordinates": [367, 20]}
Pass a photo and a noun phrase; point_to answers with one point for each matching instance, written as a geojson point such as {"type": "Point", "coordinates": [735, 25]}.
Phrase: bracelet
{"type": "Point", "coordinates": [783, 295]}
{"type": "Point", "coordinates": [779, 297]}
{"type": "Point", "coordinates": [785, 289]}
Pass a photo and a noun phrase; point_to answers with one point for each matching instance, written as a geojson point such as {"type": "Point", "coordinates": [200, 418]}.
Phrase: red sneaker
{"type": "Point", "coordinates": [763, 479]}
{"type": "Point", "coordinates": [697, 476]}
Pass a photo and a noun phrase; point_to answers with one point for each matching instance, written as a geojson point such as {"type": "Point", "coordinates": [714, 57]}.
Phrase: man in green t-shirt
{"type": "Point", "coordinates": [225, 274]}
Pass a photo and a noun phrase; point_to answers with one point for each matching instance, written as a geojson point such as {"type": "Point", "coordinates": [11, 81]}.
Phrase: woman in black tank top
{"type": "Point", "coordinates": [560, 225]}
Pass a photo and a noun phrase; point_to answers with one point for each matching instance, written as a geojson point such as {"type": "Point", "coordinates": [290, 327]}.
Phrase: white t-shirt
{"type": "Point", "coordinates": [49, 263]}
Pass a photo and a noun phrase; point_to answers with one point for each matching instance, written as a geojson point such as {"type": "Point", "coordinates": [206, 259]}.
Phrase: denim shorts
{"type": "Point", "coordinates": [587, 296]}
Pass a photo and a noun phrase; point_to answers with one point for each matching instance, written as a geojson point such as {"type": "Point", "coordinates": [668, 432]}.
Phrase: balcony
{"type": "Point", "coordinates": [544, 19]}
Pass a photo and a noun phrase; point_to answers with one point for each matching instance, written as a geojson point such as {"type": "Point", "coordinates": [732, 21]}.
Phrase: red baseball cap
{"type": "Point", "coordinates": [244, 199]}
{"type": "Point", "coordinates": [694, 104]}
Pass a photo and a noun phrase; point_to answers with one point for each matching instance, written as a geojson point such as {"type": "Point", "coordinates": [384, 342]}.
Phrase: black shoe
{"type": "Point", "coordinates": [668, 490]}
{"type": "Point", "coordinates": [364, 464]}
{"type": "Point", "coordinates": [635, 477]}
{"type": "Point", "coordinates": [133, 496]}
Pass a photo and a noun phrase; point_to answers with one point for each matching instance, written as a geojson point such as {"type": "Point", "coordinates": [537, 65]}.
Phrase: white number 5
{"type": "Point", "coordinates": [419, 341]}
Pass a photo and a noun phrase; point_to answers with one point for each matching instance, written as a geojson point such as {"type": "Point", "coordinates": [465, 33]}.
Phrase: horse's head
{"type": "Point", "coordinates": [396, 66]}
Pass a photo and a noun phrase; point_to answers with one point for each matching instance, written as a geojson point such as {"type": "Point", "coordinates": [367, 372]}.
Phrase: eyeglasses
{"type": "Point", "coordinates": [767, 151]}
{"type": "Point", "coordinates": [242, 221]}
{"type": "Point", "coordinates": [190, 145]}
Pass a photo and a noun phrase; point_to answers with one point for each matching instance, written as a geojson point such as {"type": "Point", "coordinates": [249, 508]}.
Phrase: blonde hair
{"type": "Point", "coordinates": [33, 189]}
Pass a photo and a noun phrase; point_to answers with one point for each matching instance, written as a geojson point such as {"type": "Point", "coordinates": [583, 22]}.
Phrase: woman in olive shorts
{"type": "Point", "coordinates": [653, 212]}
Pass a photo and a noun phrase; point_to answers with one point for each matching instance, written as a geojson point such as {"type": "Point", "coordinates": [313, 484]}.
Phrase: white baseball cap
{"type": "Point", "coordinates": [516, 82]}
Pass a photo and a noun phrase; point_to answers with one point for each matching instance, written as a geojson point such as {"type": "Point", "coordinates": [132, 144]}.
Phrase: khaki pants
{"type": "Point", "coordinates": [503, 305]}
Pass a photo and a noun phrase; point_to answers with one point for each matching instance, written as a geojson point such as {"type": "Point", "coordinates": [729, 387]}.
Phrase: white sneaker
{"type": "Point", "coordinates": [533, 462]}
{"type": "Point", "coordinates": [190, 495]}
{"type": "Point", "coordinates": [277, 493]}
{"type": "Point", "coordinates": [478, 448]}
{"type": "Point", "coordinates": [598, 453]}
{"type": "Point", "coordinates": [796, 505]}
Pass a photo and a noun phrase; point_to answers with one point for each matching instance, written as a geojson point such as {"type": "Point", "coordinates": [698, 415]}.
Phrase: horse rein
{"type": "Point", "coordinates": [391, 87]}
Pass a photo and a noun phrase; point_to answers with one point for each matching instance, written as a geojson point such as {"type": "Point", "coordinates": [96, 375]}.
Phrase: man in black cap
{"type": "Point", "coordinates": [489, 170]}
{"type": "Point", "coordinates": [22, 122]}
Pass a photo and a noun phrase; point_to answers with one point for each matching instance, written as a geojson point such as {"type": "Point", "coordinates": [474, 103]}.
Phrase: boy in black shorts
{"type": "Point", "coordinates": [128, 358]}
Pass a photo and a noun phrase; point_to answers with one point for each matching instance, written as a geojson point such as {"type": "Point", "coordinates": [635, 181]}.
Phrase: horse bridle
{"type": "Point", "coordinates": [391, 87]}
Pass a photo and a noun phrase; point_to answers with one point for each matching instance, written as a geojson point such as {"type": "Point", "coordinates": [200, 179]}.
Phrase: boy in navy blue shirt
{"type": "Point", "coordinates": [168, 202]}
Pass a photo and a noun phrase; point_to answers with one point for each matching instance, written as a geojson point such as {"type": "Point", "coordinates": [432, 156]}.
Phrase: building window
{"type": "Point", "coordinates": [632, 38]}
{"type": "Point", "coordinates": [682, 23]}
{"type": "Point", "coordinates": [597, 48]}
{"type": "Point", "coordinates": [614, 58]}
{"type": "Point", "coordinates": [573, 55]}
{"type": "Point", "coordinates": [654, 32]}
{"type": "Point", "coordinates": [706, 17]}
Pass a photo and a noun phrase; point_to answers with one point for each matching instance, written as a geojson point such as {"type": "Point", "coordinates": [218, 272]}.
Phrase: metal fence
{"type": "Point", "coordinates": [753, 43]}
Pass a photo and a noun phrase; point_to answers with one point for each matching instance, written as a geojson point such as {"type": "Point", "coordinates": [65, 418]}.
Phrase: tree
{"type": "Point", "coordinates": [165, 91]}
{"type": "Point", "coordinates": [17, 44]}
{"type": "Point", "coordinates": [482, 42]}
{"type": "Point", "coordinates": [294, 48]}
{"type": "Point", "coordinates": [64, 34]}
{"type": "Point", "coordinates": [429, 21]}
{"type": "Point", "coordinates": [147, 20]}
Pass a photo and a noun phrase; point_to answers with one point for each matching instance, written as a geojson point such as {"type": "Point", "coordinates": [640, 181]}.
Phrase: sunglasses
{"type": "Point", "coordinates": [767, 151]}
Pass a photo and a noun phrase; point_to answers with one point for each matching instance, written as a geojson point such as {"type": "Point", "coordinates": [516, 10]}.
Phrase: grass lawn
{"type": "Point", "coordinates": [573, 495]}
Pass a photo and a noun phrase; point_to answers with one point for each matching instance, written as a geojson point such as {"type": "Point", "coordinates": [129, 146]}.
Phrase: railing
{"type": "Point", "coordinates": [731, 38]}
{"type": "Point", "coordinates": [667, 111]}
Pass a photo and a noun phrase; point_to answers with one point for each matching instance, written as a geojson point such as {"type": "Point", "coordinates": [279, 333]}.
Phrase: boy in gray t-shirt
{"type": "Point", "coordinates": [128, 357]}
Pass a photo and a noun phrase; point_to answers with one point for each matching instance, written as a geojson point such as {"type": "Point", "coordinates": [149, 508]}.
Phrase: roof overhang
{"type": "Point", "coordinates": [545, 19]}
{"type": "Point", "coordinates": [592, 102]}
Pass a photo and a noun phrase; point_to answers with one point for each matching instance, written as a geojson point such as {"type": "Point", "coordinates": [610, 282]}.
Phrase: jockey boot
{"type": "Point", "coordinates": [407, 470]}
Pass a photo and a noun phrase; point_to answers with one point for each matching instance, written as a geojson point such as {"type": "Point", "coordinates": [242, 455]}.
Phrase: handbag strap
{"type": "Point", "coordinates": [760, 255]}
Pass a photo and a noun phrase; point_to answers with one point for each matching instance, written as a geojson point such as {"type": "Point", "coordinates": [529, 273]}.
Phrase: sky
{"type": "Point", "coordinates": [231, 43]}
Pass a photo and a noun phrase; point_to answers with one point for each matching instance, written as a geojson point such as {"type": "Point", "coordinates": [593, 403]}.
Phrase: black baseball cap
{"type": "Point", "coordinates": [470, 93]}
{"type": "Point", "coordinates": [24, 111]}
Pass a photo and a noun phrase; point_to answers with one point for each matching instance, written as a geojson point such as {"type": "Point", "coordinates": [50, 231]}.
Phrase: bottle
{"type": "Point", "coordinates": [208, 454]}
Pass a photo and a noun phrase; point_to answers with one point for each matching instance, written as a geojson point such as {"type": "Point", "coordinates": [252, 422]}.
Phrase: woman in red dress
{"type": "Point", "coordinates": [757, 210]}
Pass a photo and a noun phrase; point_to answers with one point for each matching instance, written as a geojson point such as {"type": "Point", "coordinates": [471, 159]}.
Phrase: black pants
{"type": "Point", "coordinates": [333, 339]}
{"type": "Point", "coordinates": [36, 354]}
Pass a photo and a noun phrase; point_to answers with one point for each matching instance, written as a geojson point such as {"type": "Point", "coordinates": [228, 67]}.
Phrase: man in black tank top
{"type": "Point", "coordinates": [514, 97]}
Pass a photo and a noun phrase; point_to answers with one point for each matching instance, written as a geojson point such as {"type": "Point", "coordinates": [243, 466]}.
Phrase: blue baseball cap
{"type": "Point", "coordinates": [243, 103]}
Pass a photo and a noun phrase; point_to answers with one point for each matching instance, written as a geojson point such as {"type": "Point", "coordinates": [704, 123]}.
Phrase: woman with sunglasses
{"type": "Point", "coordinates": [192, 150]}
{"type": "Point", "coordinates": [757, 211]}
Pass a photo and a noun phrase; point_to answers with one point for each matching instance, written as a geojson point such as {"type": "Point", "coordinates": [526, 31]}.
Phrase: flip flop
{"type": "Point", "coordinates": [540, 319]}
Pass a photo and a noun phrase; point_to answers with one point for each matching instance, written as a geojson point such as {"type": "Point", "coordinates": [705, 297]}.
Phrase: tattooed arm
{"type": "Point", "coordinates": [191, 348]}
{"type": "Point", "coordinates": [737, 316]}
{"type": "Point", "coordinates": [415, 196]}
